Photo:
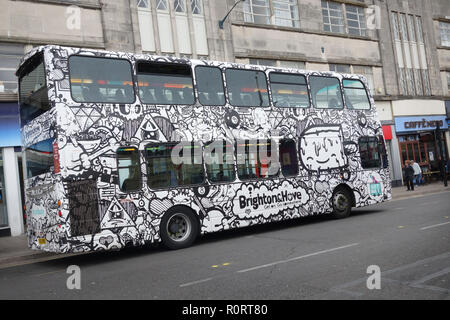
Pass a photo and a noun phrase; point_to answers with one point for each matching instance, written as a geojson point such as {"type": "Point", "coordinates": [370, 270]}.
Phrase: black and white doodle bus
{"type": "Point", "coordinates": [100, 129]}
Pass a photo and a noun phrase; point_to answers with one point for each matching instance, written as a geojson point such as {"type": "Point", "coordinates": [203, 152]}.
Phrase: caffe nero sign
{"type": "Point", "coordinates": [408, 124]}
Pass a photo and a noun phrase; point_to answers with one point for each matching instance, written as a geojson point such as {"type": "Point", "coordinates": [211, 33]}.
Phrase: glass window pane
{"type": "Point", "coordinates": [369, 151]}
{"type": "Point", "coordinates": [210, 86]}
{"type": "Point", "coordinates": [101, 80]}
{"type": "Point", "coordinates": [33, 97]}
{"type": "Point", "coordinates": [288, 157]}
{"type": "Point", "coordinates": [39, 158]}
{"type": "Point", "coordinates": [164, 172]}
{"type": "Point", "coordinates": [163, 83]}
{"type": "Point", "coordinates": [247, 88]}
{"type": "Point", "coordinates": [253, 159]}
{"type": "Point", "coordinates": [326, 92]}
{"type": "Point", "coordinates": [356, 95]}
{"type": "Point", "coordinates": [219, 161]}
{"type": "Point", "coordinates": [129, 169]}
{"type": "Point", "coordinates": [289, 90]}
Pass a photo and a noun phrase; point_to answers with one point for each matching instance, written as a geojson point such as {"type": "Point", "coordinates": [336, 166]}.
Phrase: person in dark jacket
{"type": "Point", "coordinates": [409, 175]}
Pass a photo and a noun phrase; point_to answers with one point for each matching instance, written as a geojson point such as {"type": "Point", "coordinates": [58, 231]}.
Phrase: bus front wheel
{"type": "Point", "coordinates": [342, 203]}
{"type": "Point", "coordinates": [179, 228]}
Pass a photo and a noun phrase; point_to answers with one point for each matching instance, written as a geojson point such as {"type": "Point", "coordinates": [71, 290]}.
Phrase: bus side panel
{"type": "Point", "coordinates": [45, 224]}
{"type": "Point", "coordinates": [83, 208]}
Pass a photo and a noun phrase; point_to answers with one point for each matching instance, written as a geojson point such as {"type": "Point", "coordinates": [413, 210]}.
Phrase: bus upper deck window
{"type": "Point", "coordinates": [210, 86]}
{"type": "Point", "coordinates": [326, 92]}
{"type": "Point", "coordinates": [101, 80]}
{"type": "Point", "coordinates": [355, 95]}
{"type": "Point", "coordinates": [33, 95]}
{"type": "Point", "coordinates": [165, 83]}
{"type": "Point", "coordinates": [289, 90]}
{"type": "Point", "coordinates": [129, 169]}
{"type": "Point", "coordinates": [247, 88]}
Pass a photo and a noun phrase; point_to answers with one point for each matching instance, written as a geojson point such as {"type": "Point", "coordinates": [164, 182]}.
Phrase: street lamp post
{"type": "Point", "coordinates": [221, 22]}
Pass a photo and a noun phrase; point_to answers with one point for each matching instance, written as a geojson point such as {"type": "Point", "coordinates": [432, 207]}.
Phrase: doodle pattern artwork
{"type": "Point", "coordinates": [96, 215]}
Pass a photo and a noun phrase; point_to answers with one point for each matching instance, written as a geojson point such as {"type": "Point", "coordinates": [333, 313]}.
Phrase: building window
{"type": "Point", "coordinates": [448, 82]}
{"type": "Point", "coordinates": [333, 18]}
{"type": "Point", "coordinates": [161, 5]}
{"type": "Point", "coordinates": [10, 55]}
{"type": "Point", "coordinates": [341, 68]}
{"type": "Point", "coordinates": [285, 13]}
{"type": "Point", "coordinates": [143, 4]}
{"type": "Point", "coordinates": [179, 6]}
{"type": "Point", "coordinates": [196, 7]}
{"type": "Point", "coordinates": [356, 20]}
{"type": "Point", "coordinates": [409, 46]}
{"type": "Point", "coordinates": [277, 12]}
{"type": "Point", "coordinates": [444, 28]}
{"type": "Point", "coordinates": [257, 11]}
{"type": "Point", "coordinates": [277, 63]}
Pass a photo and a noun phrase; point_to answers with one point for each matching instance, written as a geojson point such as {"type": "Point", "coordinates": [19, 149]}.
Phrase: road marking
{"type": "Point", "coordinates": [434, 225]}
{"type": "Point", "coordinates": [296, 258]}
{"type": "Point", "coordinates": [195, 282]}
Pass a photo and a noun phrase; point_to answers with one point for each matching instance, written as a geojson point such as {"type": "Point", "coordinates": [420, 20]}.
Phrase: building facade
{"type": "Point", "coordinates": [401, 46]}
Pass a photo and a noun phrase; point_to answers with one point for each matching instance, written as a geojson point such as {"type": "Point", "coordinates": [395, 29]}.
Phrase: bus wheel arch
{"type": "Point", "coordinates": [179, 227]}
{"type": "Point", "coordinates": [342, 201]}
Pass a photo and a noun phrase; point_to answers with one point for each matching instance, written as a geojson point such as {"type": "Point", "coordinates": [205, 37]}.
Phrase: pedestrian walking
{"type": "Point", "coordinates": [417, 172]}
{"type": "Point", "coordinates": [409, 175]}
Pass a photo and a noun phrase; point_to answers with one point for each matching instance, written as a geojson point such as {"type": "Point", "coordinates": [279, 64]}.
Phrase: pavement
{"type": "Point", "coordinates": [14, 250]}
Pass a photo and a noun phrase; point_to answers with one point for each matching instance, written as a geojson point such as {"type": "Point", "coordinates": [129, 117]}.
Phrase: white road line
{"type": "Point", "coordinates": [296, 258]}
{"type": "Point", "coordinates": [194, 282]}
{"type": "Point", "coordinates": [434, 225]}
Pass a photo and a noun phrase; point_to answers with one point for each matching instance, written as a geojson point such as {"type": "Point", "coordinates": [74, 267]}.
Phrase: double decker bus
{"type": "Point", "coordinates": [258, 144]}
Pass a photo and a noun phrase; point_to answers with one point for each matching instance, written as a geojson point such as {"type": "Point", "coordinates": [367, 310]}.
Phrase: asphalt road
{"type": "Point", "coordinates": [310, 258]}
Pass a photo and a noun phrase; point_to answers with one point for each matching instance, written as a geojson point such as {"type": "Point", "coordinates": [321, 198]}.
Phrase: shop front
{"type": "Point", "coordinates": [419, 140]}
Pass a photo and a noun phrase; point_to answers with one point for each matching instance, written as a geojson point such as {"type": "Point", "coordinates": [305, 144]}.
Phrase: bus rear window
{"type": "Point", "coordinates": [101, 80]}
{"type": "Point", "coordinates": [33, 96]}
{"type": "Point", "coordinates": [39, 158]}
{"type": "Point", "coordinates": [163, 83]}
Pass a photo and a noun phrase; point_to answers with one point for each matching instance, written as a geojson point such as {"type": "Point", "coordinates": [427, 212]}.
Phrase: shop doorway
{"type": "Point", "coordinates": [423, 149]}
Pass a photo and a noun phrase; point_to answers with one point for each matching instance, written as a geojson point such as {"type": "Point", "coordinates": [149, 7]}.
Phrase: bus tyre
{"type": "Point", "coordinates": [342, 203]}
{"type": "Point", "coordinates": [179, 228]}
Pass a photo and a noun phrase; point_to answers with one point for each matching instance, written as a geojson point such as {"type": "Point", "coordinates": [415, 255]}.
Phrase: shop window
{"type": "Point", "coordinates": [370, 154]}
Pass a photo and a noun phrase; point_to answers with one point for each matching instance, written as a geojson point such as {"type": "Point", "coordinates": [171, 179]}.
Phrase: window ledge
{"type": "Point", "coordinates": [301, 30]}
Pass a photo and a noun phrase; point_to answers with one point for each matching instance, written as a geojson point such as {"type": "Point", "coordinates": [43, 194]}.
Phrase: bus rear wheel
{"type": "Point", "coordinates": [179, 228]}
{"type": "Point", "coordinates": [342, 203]}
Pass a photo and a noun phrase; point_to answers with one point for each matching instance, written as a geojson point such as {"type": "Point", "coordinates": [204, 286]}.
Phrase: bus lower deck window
{"type": "Point", "coordinates": [255, 159]}
{"type": "Point", "coordinates": [129, 170]}
{"type": "Point", "coordinates": [369, 150]}
{"type": "Point", "coordinates": [219, 162]}
{"type": "Point", "coordinates": [288, 157]}
{"type": "Point", "coordinates": [163, 172]}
